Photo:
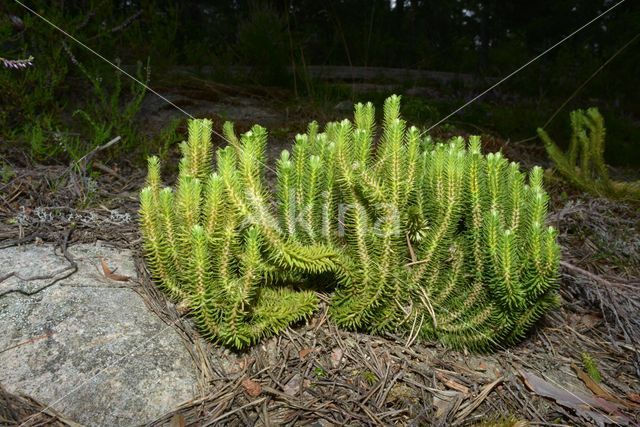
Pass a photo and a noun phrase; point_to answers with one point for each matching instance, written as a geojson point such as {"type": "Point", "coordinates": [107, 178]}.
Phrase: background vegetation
{"type": "Point", "coordinates": [70, 101]}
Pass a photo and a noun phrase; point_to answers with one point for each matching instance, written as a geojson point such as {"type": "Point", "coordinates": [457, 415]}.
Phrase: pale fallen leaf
{"type": "Point", "coordinates": [109, 274]}
{"type": "Point", "coordinates": [336, 357]}
{"type": "Point", "coordinates": [294, 385]}
{"type": "Point", "coordinates": [252, 388]}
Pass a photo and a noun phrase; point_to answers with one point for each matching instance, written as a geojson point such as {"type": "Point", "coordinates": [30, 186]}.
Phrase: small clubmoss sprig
{"type": "Point", "coordinates": [591, 367]}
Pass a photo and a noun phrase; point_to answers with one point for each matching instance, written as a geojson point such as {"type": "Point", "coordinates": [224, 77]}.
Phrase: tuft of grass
{"type": "Point", "coordinates": [114, 111]}
{"type": "Point", "coordinates": [61, 78]}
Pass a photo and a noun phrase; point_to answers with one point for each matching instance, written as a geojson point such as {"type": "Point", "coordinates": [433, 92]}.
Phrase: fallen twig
{"type": "Point", "coordinates": [471, 406]}
{"type": "Point", "coordinates": [590, 275]}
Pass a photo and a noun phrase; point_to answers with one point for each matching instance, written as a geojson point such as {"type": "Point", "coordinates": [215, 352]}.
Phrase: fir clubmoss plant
{"type": "Point", "coordinates": [583, 164]}
{"type": "Point", "coordinates": [435, 240]}
{"type": "Point", "coordinates": [202, 253]}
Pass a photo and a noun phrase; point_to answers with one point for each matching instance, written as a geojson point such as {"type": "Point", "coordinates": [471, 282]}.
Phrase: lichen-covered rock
{"type": "Point", "coordinates": [88, 346]}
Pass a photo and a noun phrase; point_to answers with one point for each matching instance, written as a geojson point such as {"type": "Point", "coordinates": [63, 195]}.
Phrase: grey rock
{"type": "Point", "coordinates": [88, 346]}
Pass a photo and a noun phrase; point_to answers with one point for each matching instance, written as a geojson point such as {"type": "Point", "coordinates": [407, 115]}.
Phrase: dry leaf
{"type": "Point", "coordinates": [252, 388]}
{"type": "Point", "coordinates": [109, 274]}
{"type": "Point", "coordinates": [589, 407]}
{"type": "Point", "coordinates": [589, 321]}
{"type": "Point", "coordinates": [599, 391]}
{"type": "Point", "coordinates": [304, 353]}
{"type": "Point", "coordinates": [591, 384]}
{"type": "Point", "coordinates": [634, 397]}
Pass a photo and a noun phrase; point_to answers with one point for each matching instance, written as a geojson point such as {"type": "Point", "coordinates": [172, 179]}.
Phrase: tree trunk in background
{"type": "Point", "coordinates": [484, 37]}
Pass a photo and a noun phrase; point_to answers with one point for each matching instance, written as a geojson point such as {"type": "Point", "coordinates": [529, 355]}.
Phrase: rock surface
{"type": "Point", "coordinates": [87, 345]}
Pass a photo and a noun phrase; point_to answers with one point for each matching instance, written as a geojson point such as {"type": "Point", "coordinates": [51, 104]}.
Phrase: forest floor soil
{"type": "Point", "coordinates": [314, 373]}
